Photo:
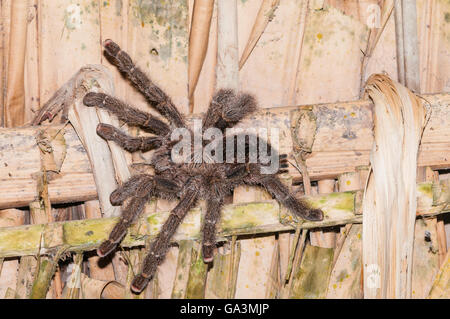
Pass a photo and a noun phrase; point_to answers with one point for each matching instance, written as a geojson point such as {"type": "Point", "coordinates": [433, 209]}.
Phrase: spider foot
{"type": "Point", "coordinates": [208, 253]}
{"type": "Point", "coordinates": [94, 99]}
{"type": "Point", "coordinates": [139, 283]}
{"type": "Point", "coordinates": [314, 215]}
{"type": "Point", "coordinates": [106, 248]}
{"type": "Point", "coordinates": [111, 47]}
{"type": "Point", "coordinates": [106, 131]}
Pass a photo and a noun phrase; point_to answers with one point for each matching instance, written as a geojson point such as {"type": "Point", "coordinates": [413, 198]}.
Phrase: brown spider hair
{"type": "Point", "coordinates": [187, 182]}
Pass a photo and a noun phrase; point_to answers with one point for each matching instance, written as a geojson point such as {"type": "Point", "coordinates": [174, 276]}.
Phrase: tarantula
{"type": "Point", "coordinates": [187, 181]}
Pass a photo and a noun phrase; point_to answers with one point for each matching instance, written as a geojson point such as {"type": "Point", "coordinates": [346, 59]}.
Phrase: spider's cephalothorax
{"type": "Point", "coordinates": [188, 182]}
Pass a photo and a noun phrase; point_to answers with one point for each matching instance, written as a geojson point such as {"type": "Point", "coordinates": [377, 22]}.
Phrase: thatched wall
{"type": "Point", "coordinates": [296, 52]}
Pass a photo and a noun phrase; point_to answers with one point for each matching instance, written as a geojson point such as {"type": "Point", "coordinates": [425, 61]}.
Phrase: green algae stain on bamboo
{"type": "Point", "coordinates": [20, 239]}
{"type": "Point", "coordinates": [168, 22]}
{"type": "Point", "coordinates": [425, 189]}
{"type": "Point", "coordinates": [310, 279]}
{"type": "Point", "coordinates": [189, 228]}
{"type": "Point", "coordinates": [249, 215]}
{"type": "Point", "coordinates": [197, 275]}
{"type": "Point", "coordinates": [425, 195]}
{"type": "Point", "coordinates": [87, 232]}
{"type": "Point", "coordinates": [334, 204]}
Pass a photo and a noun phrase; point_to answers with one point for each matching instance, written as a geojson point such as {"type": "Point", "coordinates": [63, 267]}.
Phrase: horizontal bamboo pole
{"type": "Point", "coordinates": [237, 219]}
{"type": "Point", "coordinates": [343, 141]}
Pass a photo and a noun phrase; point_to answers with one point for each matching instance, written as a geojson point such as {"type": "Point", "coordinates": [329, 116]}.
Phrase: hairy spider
{"type": "Point", "coordinates": [187, 181]}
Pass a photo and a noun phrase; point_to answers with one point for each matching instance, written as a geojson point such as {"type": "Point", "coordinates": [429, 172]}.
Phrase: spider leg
{"type": "Point", "coordinates": [126, 113]}
{"type": "Point", "coordinates": [158, 99]}
{"type": "Point", "coordinates": [141, 188]}
{"type": "Point", "coordinates": [128, 188]}
{"type": "Point", "coordinates": [212, 217]}
{"type": "Point", "coordinates": [282, 194]}
{"type": "Point", "coordinates": [129, 143]}
{"type": "Point", "coordinates": [160, 246]}
{"type": "Point", "coordinates": [227, 109]}
{"type": "Point", "coordinates": [131, 211]}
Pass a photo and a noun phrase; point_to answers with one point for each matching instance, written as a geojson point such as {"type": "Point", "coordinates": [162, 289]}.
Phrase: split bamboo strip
{"type": "Point", "coordinates": [15, 91]}
{"type": "Point", "coordinates": [198, 41]}
{"type": "Point", "coordinates": [182, 272]}
{"type": "Point", "coordinates": [293, 72]}
{"type": "Point", "coordinates": [346, 276]}
{"type": "Point", "coordinates": [390, 202]}
{"type": "Point", "coordinates": [294, 261]}
{"type": "Point", "coordinates": [238, 219]}
{"type": "Point", "coordinates": [31, 73]}
{"type": "Point", "coordinates": [99, 289]}
{"type": "Point", "coordinates": [85, 120]}
{"type": "Point", "coordinates": [441, 285]}
{"type": "Point", "coordinates": [227, 45]}
{"type": "Point", "coordinates": [5, 17]}
{"type": "Point", "coordinates": [265, 15]}
{"type": "Point", "coordinates": [374, 36]}
{"type": "Point", "coordinates": [399, 37]}
{"type": "Point", "coordinates": [411, 45]}
{"type": "Point", "coordinates": [310, 279]}
{"type": "Point", "coordinates": [442, 240]}
{"type": "Point", "coordinates": [195, 288]}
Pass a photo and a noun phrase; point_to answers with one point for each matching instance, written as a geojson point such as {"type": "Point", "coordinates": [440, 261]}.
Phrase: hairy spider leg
{"type": "Point", "coordinates": [129, 143]}
{"type": "Point", "coordinates": [140, 188]}
{"type": "Point", "coordinates": [212, 217]}
{"type": "Point", "coordinates": [128, 114]}
{"type": "Point", "coordinates": [160, 246]}
{"type": "Point", "coordinates": [281, 192]}
{"type": "Point", "coordinates": [157, 98]}
{"type": "Point", "coordinates": [227, 109]}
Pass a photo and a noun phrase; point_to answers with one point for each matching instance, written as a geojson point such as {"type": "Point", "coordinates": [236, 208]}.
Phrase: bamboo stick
{"type": "Point", "coordinates": [399, 37]}
{"type": "Point", "coordinates": [43, 278]}
{"type": "Point", "coordinates": [238, 219]}
{"type": "Point", "coordinates": [292, 73]}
